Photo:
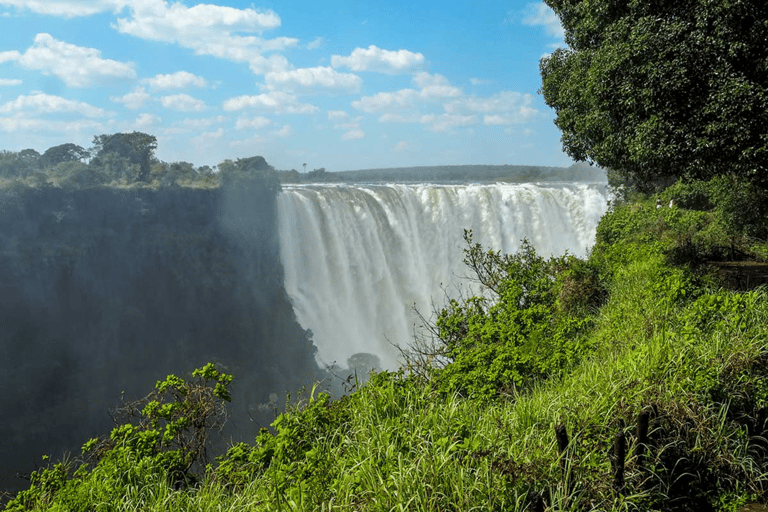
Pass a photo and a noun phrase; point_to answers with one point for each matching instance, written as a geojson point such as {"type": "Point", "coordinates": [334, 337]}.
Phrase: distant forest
{"type": "Point", "coordinates": [128, 159]}
{"type": "Point", "coordinates": [452, 174]}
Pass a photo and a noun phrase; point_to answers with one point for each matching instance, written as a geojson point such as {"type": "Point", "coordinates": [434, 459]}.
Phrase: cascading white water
{"type": "Point", "coordinates": [357, 258]}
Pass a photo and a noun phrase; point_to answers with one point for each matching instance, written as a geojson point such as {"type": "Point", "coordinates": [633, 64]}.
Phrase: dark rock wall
{"type": "Point", "coordinates": [109, 290]}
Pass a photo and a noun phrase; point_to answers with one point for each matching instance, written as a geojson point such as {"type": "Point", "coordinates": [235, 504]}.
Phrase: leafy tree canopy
{"type": "Point", "coordinates": [136, 147]}
{"type": "Point", "coordinates": [64, 153]}
{"type": "Point", "coordinates": [663, 89]}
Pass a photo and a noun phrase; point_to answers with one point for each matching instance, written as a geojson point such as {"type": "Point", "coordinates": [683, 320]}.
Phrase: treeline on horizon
{"type": "Point", "coordinates": [128, 159]}
{"type": "Point", "coordinates": [452, 174]}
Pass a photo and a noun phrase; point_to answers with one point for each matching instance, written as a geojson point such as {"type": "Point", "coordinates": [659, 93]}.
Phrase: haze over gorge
{"type": "Point", "coordinates": [107, 288]}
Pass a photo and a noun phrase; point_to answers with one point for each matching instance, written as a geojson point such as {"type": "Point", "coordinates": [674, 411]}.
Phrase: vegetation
{"type": "Point", "coordinates": [633, 380]}
{"type": "Point", "coordinates": [636, 379]}
{"type": "Point", "coordinates": [661, 90]}
{"type": "Point", "coordinates": [119, 159]}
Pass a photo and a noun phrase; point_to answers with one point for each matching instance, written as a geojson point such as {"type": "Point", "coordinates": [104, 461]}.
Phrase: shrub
{"type": "Point", "coordinates": [164, 438]}
{"type": "Point", "coordinates": [528, 326]}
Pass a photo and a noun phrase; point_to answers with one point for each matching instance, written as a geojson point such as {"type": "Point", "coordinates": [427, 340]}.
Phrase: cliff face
{"type": "Point", "coordinates": [108, 290]}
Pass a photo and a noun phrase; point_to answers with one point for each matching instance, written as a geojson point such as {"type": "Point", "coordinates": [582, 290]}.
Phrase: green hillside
{"type": "Point", "coordinates": [632, 380]}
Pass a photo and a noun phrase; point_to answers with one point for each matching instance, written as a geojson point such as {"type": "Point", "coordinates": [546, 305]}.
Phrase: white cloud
{"type": "Point", "coordinates": [505, 107]}
{"type": "Point", "coordinates": [21, 122]}
{"type": "Point", "coordinates": [383, 61]}
{"type": "Point", "coordinates": [9, 55]}
{"type": "Point", "coordinates": [7, 82]}
{"type": "Point", "coordinates": [445, 122]}
{"type": "Point", "coordinates": [195, 125]}
{"type": "Point", "coordinates": [313, 77]}
{"type": "Point", "coordinates": [435, 86]}
{"type": "Point", "coordinates": [207, 136]}
{"type": "Point", "coordinates": [210, 30]}
{"type": "Point", "coordinates": [76, 66]}
{"type": "Point", "coordinates": [182, 103]}
{"type": "Point", "coordinates": [315, 43]}
{"type": "Point", "coordinates": [276, 101]}
{"type": "Point", "coordinates": [337, 115]}
{"type": "Point", "coordinates": [134, 99]}
{"type": "Point", "coordinates": [386, 102]}
{"type": "Point", "coordinates": [542, 14]}
{"type": "Point", "coordinates": [144, 121]}
{"type": "Point", "coordinates": [480, 81]}
{"type": "Point", "coordinates": [404, 105]}
{"type": "Point", "coordinates": [177, 80]}
{"type": "Point", "coordinates": [401, 146]}
{"type": "Point", "coordinates": [354, 134]}
{"type": "Point", "coordinates": [66, 9]}
{"type": "Point", "coordinates": [494, 120]}
{"type": "Point", "coordinates": [41, 103]}
{"type": "Point", "coordinates": [285, 131]}
{"type": "Point", "coordinates": [351, 127]}
{"type": "Point", "coordinates": [255, 123]}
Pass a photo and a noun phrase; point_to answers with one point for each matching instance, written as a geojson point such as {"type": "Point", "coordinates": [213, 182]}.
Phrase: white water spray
{"type": "Point", "coordinates": [357, 258]}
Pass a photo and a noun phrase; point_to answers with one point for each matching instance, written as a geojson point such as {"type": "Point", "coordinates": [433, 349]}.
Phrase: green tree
{"type": "Point", "coordinates": [528, 323]}
{"type": "Point", "coordinates": [663, 89]}
{"type": "Point", "coordinates": [136, 147]}
{"type": "Point", "coordinates": [64, 153]}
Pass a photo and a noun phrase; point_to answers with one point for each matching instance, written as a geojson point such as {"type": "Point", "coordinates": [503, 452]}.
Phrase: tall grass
{"type": "Point", "coordinates": [694, 358]}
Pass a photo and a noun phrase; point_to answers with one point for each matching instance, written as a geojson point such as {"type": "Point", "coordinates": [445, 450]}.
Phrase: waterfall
{"type": "Point", "coordinates": [358, 258]}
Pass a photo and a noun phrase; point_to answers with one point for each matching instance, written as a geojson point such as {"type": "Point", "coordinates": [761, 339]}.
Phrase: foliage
{"type": "Point", "coordinates": [64, 153]}
{"type": "Point", "coordinates": [164, 438]}
{"type": "Point", "coordinates": [79, 176]}
{"type": "Point", "coordinates": [135, 148]}
{"type": "Point", "coordinates": [659, 341]}
{"type": "Point", "coordinates": [665, 89]}
{"type": "Point", "coordinates": [530, 324]}
{"type": "Point", "coordinates": [292, 454]}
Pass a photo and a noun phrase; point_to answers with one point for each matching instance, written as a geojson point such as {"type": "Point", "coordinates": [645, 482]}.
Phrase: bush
{"type": "Point", "coordinates": [164, 439]}
{"type": "Point", "coordinates": [528, 326]}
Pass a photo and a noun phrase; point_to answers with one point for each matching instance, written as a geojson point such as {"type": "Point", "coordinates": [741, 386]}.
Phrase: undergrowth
{"type": "Point", "coordinates": [628, 381]}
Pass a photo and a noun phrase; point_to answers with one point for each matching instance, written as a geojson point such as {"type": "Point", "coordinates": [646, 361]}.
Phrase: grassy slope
{"type": "Point", "coordinates": [666, 341]}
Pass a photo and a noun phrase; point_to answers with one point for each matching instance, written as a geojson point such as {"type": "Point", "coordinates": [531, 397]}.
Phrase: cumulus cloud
{"type": "Point", "coordinates": [9, 55]}
{"type": "Point", "coordinates": [177, 80]}
{"type": "Point", "coordinates": [41, 103]}
{"type": "Point", "coordinates": [445, 122]}
{"type": "Point", "coordinates": [7, 82]}
{"type": "Point", "coordinates": [134, 99]}
{"type": "Point", "coordinates": [505, 107]}
{"type": "Point", "coordinates": [285, 131]}
{"type": "Point", "coordinates": [315, 43]}
{"type": "Point", "coordinates": [182, 103]}
{"type": "Point", "coordinates": [401, 146]}
{"type": "Point", "coordinates": [351, 127]}
{"type": "Point", "coordinates": [435, 86]}
{"type": "Point", "coordinates": [144, 121]}
{"type": "Point", "coordinates": [66, 9]}
{"type": "Point", "coordinates": [76, 66]}
{"type": "Point", "coordinates": [382, 61]}
{"type": "Point", "coordinates": [353, 134]}
{"type": "Point", "coordinates": [210, 30]}
{"type": "Point", "coordinates": [406, 105]}
{"type": "Point", "coordinates": [23, 122]}
{"type": "Point", "coordinates": [317, 77]}
{"type": "Point", "coordinates": [196, 125]}
{"type": "Point", "coordinates": [255, 123]}
{"type": "Point", "coordinates": [337, 115]}
{"type": "Point", "coordinates": [541, 14]}
{"type": "Point", "coordinates": [276, 101]}
{"type": "Point", "coordinates": [381, 102]}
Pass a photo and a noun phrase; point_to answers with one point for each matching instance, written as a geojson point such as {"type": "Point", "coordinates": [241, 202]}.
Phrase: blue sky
{"type": "Point", "coordinates": [336, 84]}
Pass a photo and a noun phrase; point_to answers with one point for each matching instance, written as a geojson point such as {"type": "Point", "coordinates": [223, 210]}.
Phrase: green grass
{"type": "Point", "coordinates": [665, 341]}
